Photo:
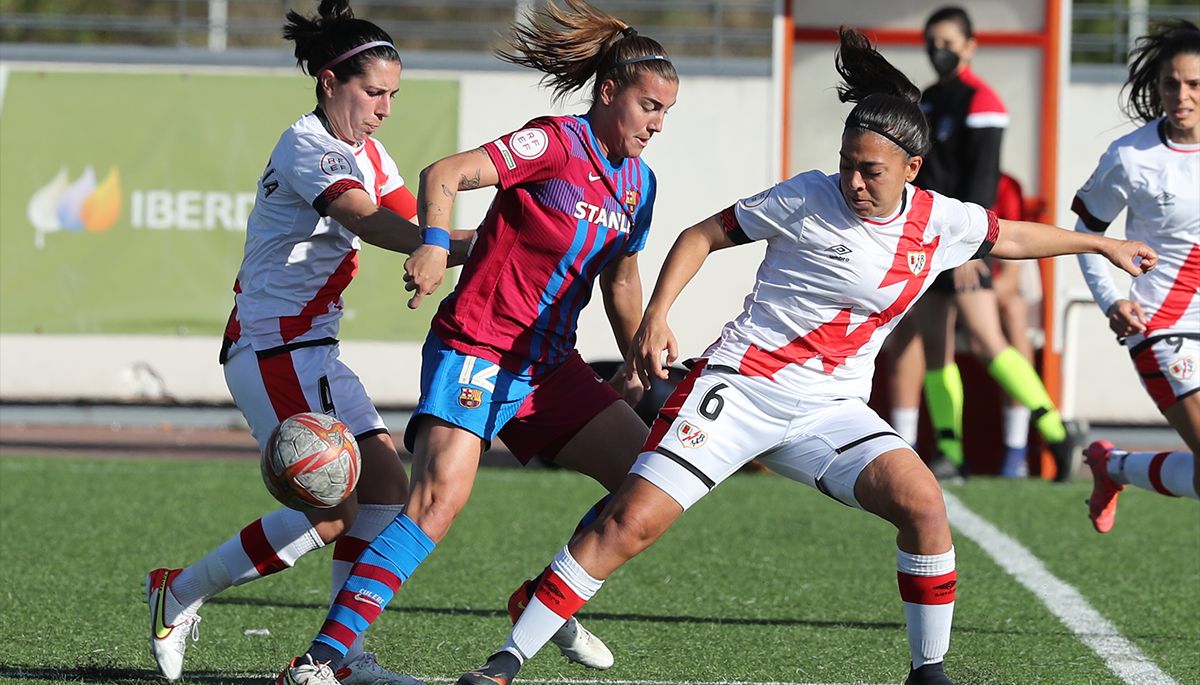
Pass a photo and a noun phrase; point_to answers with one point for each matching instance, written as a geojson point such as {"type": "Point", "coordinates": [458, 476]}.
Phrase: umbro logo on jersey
{"type": "Point", "coordinates": [839, 253]}
{"type": "Point", "coordinates": [1165, 199]}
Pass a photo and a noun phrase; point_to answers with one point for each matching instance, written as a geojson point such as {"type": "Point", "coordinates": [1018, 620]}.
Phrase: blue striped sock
{"type": "Point", "coordinates": [384, 566]}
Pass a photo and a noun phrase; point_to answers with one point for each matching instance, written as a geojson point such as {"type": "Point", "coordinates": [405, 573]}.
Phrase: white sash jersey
{"type": "Point", "coordinates": [297, 260]}
{"type": "Point", "coordinates": [832, 286]}
{"type": "Point", "coordinates": [1158, 182]}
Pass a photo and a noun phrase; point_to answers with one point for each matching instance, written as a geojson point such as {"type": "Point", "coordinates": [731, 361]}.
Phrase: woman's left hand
{"type": "Point", "coordinates": [424, 271]}
{"type": "Point", "coordinates": [1131, 256]}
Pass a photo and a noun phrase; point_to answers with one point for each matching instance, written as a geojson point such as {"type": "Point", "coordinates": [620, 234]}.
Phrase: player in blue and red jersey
{"type": "Point", "coordinates": [574, 205]}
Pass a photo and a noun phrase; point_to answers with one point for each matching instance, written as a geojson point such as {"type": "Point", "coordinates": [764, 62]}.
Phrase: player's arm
{"type": "Point", "coordinates": [684, 260]}
{"type": "Point", "coordinates": [383, 228]}
{"type": "Point", "coordinates": [440, 183]}
{"type": "Point", "coordinates": [621, 288]}
{"type": "Point", "coordinates": [1029, 240]}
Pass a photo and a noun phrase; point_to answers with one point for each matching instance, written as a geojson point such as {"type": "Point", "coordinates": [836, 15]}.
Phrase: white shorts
{"type": "Point", "coordinates": [1169, 366]}
{"type": "Point", "coordinates": [716, 421]}
{"type": "Point", "coordinates": [271, 388]}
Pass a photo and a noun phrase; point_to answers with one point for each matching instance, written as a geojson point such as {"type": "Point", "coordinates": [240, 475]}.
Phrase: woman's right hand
{"type": "Point", "coordinates": [646, 350]}
{"type": "Point", "coordinates": [1126, 318]}
{"type": "Point", "coordinates": [424, 271]}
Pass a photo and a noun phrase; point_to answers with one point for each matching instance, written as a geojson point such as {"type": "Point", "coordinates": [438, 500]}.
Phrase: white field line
{"type": "Point", "coordinates": [1121, 656]}
{"type": "Point", "coordinates": [3, 84]}
{"type": "Point", "coordinates": [593, 681]}
{"type": "Point", "coordinates": [225, 677]}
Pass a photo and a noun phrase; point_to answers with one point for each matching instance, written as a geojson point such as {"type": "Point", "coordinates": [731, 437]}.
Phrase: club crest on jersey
{"type": "Point", "coordinates": [528, 143]}
{"type": "Point", "coordinates": [1182, 369]}
{"type": "Point", "coordinates": [631, 199]}
{"type": "Point", "coordinates": [470, 398]}
{"type": "Point", "coordinates": [335, 164]}
{"type": "Point", "coordinates": [916, 261]}
{"type": "Point", "coordinates": [691, 436]}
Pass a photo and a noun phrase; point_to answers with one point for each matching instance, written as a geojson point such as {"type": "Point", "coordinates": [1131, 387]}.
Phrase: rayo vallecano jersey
{"type": "Point", "coordinates": [1158, 182]}
{"type": "Point", "coordinates": [297, 260]}
{"type": "Point", "coordinates": [832, 286]}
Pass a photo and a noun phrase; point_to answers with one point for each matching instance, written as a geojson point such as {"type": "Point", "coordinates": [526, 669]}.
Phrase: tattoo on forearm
{"type": "Point", "coordinates": [446, 191]}
{"type": "Point", "coordinates": [465, 183]}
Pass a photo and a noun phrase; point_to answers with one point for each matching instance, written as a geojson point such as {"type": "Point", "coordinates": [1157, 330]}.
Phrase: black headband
{"type": "Point", "coordinates": [879, 129]}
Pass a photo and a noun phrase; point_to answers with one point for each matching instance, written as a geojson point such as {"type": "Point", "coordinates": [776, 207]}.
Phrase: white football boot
{"type": "Point", "coordinates": [168, 632]}
{"type": "Point", "coordinates": [364, 669]}
{"type": "Point", "coordinates": [579, 645]}
{"type": "Point", "coordinates": [304, 671]}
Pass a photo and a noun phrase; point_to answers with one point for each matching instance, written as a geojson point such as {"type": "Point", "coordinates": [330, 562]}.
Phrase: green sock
{"type": "Point", "coordinates": [944, 397]}
{"type": "Point", "coordinates": [1019, 379]}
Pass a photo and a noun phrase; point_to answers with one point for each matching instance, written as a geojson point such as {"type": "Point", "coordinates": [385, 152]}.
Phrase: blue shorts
{"type": "Point", "coordinates": [534, 417]}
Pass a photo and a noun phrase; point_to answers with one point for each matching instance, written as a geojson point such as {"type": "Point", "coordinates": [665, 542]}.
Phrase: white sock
{"type": "Point", "coordinates": [270, 544]}
{"type": "Point", "coordinates": [1169, 473]}
{"type": "Point", "coordinates": [1016, 427]}
{"type": "Point", "coordinates": [905, 421]}
{"type": "Point", "coordinates": [927, 586]}
{"type": "Point", "coordinates": [371, 520]}
{"type": "Point", "coordinates": [565, 588]}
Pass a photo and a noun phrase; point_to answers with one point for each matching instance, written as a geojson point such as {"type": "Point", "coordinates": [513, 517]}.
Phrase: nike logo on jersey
{"type": "Point", "coordinates": [602, 217]}
{"type": "Point", "coordinates": [593, 177]}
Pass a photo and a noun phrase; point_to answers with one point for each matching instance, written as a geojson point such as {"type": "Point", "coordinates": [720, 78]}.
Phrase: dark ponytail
{"type": "Point", "coordinates": [572, 46]}
{"type": "Point", "coordinates": [1145, 63]}
{"type": "Point", "coordinates": [886, 99]}
{"type": "Point", "coordinates": [332, 33]}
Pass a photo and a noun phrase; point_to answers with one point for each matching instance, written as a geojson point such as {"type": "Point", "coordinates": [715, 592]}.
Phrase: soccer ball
{"type": "Point", "coordinates": [311, 460]}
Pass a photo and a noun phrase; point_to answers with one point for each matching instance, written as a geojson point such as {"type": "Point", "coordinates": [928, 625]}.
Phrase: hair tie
{"type": "Point", "coordinates": [352, 52]}
{"type": "Point", "coordinates": [629, 32]}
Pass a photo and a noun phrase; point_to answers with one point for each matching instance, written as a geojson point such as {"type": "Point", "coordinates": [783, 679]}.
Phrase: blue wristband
{"type": "Point", "coordinates": [432, 235]}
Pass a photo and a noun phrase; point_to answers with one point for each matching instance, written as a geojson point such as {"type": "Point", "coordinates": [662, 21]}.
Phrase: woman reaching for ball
{"type": "Point", "coordinates": [327, 186]}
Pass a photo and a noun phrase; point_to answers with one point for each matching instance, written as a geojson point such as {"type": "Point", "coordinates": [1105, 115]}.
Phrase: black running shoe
{"type": "Point", "coordinates": [947, 471]}
{"type": "Point", "coordinates": [501, 669]}
{"type": "Point", "coordinates": [1066, 450]}
{"type": "Point", "coordinates": [929, 674]}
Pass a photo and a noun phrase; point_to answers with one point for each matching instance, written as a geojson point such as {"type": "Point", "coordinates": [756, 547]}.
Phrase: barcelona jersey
{"type": "Point", "coordinates": [563, 214]}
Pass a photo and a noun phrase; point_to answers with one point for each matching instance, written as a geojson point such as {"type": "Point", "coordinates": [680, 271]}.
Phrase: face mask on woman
{"type": "Point", "coordinates": [944, 60]}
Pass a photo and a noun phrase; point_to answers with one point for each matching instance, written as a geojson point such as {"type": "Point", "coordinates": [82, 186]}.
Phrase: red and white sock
{"type": "Point", "coordinates": [269, 545]}
{"type": "Point", "coordinates": [371, 520]}
{"type": "Point", "coordinates": [927, 584]}
{"type": "Point", "coordinates": [1168, 473]}
{"type": "Point", "coordinates": [564, 589]}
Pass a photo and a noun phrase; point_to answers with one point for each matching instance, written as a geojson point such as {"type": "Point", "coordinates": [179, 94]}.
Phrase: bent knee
{"type": "Point", "coordinates": [627, 532]}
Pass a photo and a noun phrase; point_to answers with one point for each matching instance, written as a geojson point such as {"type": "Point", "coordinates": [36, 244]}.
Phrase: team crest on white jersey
{"type": "Point", "coordinates": [916, 261]}
{"type": "Point", "coordinates": [335, 164]}
{"type": "Point", "coordinates": [691, 436]}
{"type": "Point", "coordinates": [529, 143]}
{"type": "Point", "coordinates": [1182, 369]}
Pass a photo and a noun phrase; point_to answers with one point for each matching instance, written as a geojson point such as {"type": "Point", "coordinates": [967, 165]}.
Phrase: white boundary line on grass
{"type": "Point", "coordinates": [207, 677]}
{"type": "Point", "coordinates": [596, 681]}
{"type": "Point", "coordinates": [1121, 656]}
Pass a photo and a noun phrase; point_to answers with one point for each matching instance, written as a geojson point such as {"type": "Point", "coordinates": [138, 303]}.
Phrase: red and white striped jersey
{"type": "Point", "coordinates": [297, 260]}
{"type": "Point", "coordinates": [832, 286]}
{"type": "Point", "coordinates": [1158, 182]}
